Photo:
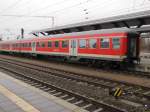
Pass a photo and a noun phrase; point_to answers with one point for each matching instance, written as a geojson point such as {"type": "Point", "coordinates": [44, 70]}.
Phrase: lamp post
{"type": "Point", "coordinates": [22, 33]}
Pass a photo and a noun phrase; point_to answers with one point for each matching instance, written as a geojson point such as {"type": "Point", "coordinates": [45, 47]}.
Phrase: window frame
{"type": "Point", "coordinates": [37, 44]}
{"type": "Point", "coordinates": [43, 43]}
{"type": "Point", "coordinates": [101, 42]}
{"type": "Point", "coordinates": [25, 44]}
{"type": "Point", "coordinates": [65, 46]}
{"type": "Point", "coordinates": [55, 44]}
{"type": "Point", "coordinates": [119, 43]}
{"type": "Point", "coordinates": [90, 45]}
{"type": "Point", "coordinates": [85, 44]}
{"type": "Point", "coordinates": [48, 44]}
{"type": "Point", "coordinates": [29, 44]}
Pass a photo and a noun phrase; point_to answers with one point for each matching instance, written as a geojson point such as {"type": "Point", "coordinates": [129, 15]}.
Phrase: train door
{"type": "Point", "coordinates": [73, 50]}
{"type": "Point", "coordinates": [133, 46]}
{"type": "Point", "coordinates": [33, 46]}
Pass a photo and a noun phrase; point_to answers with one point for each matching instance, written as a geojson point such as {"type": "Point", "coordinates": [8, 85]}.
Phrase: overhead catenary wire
{"type": "Point", "coordinates": [97, 5]}
{"type": "Point", "coordinates": [26, 16]}
{"type": "Point", "coordinates": [58, 3]}
{"type": "Point", "coordinates": [143, 2]}
{"type": "Point", "coordinates": [110, 12]}
{"type": "Point", "coordinates": [60, 10]}
{"type": "Point", "coordinates": [73, 6]}
{"type": "Point", "coordinates": [10, 6]}
{"type": "Point", "coordinates": [48, 17]}
{"type": "Point", "coordinates": [51, 5]}
{"type": "Point", "coordinates": [53, 11]}
{"type": "Point", "coordinates": [68, 7]}
{"type": "Point", "coordinates": [9, 15]}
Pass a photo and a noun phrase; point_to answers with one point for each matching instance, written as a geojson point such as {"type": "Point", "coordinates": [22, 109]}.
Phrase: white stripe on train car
{"type": "Point", "coordinates": [103, 56]}
{"type": "Point", "coordinates": [79, 54]}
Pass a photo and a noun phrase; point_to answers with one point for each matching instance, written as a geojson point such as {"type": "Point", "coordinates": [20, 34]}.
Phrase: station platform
{"type": "Point", "coordinates": [17, 96]}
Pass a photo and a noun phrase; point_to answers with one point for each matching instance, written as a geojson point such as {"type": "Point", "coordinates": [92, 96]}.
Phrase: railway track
{"type": "Point", "coordinates": [139, 70]}
{"type": "Point", "coordinates": [77, 99]}
{"type": "Point", "coordinates": [78, 77]}
{"type": "Point", "coordinates": [93, 82]}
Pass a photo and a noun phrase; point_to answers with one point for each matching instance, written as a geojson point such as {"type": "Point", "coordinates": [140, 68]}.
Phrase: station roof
{"type": "Point", "coordinates": [136, 20]}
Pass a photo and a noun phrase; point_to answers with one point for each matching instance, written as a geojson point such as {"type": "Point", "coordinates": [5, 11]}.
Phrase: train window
{"type": "Point", "coordinates": [17, 45]}
{"type": "Point", "coordinates": [25, 44]}
{"type": "Point", "coordinates": [92, 43]}
{"type": "Point", "coordinates": [104, 43]}
{"type": "Point", "coordinates": [64, 44]}
{"type": "Point", "coordinates": [116, 43]}
{"type": "Point", "coordinates": [56, 43]}
{"type": "Point", "coordinates": [42, 44]}
{"type": "Point", "coordinates": [82, 43]}
{"type": "Point", "coordinates": [49, 44]}
{"type": "Point", "coordinates": [38, 44]}
{"type": "Point", "coordinates": [30, 44]}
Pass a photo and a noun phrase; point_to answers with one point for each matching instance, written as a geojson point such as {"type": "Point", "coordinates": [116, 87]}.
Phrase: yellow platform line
{"type": "Point", "coordinates": [17, 100]}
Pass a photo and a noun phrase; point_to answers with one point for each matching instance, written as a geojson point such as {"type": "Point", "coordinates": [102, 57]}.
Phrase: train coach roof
{"type": "Point", "coordinates": [104, 31]}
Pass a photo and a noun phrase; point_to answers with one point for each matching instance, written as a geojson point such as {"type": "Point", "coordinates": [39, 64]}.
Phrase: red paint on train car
{"type": "Point", "coordinates": [26, 45]}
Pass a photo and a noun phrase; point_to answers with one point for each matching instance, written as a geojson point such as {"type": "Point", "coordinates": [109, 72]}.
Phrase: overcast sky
{"type": "Point", "coordinates": [63, 11]}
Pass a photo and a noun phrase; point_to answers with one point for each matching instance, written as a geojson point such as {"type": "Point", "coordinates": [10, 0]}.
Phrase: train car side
{"type": "Point", "coordinates": [113, 46]}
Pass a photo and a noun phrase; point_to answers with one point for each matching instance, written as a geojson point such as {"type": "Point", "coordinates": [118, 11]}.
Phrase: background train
{"type": "Point", "coordinates": [110, 45]}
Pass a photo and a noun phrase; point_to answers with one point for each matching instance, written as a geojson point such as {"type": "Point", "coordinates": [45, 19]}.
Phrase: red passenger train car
{"type": "Point", "coordinates": [115, 45]}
